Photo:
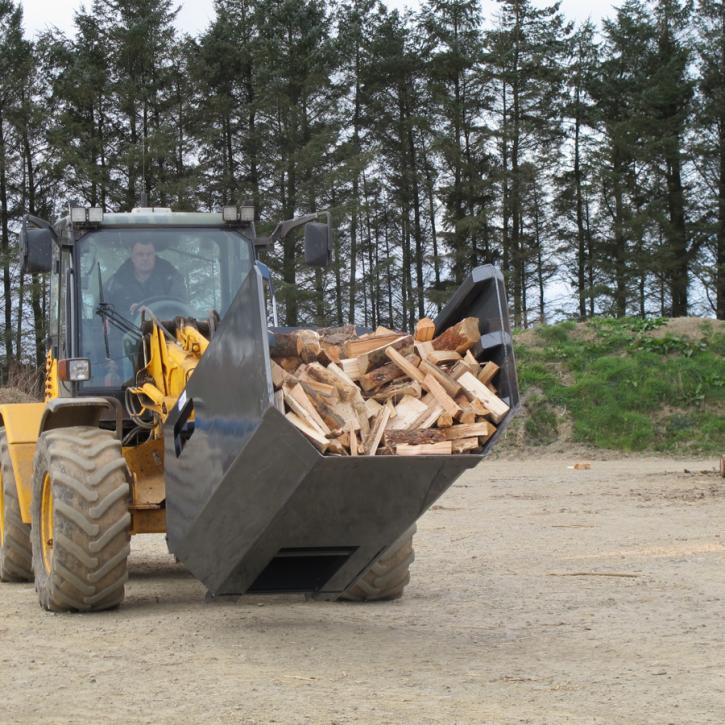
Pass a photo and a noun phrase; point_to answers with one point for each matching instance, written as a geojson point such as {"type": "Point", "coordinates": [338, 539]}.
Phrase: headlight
{"type": "Point", "coordinates": [74, 369]}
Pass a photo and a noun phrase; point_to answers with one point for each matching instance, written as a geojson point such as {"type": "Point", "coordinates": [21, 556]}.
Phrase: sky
{"type": "Point", "coordinates": [195, 15]}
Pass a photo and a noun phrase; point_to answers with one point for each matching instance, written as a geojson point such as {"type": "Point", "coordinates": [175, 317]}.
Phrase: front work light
{"type": "Point", "coordinates": [74, 369]}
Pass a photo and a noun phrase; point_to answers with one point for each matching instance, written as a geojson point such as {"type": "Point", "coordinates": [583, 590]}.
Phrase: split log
{"type": "Point", "coordinates": [439, 357]}
{"type": "Point", "coordinates": [327, 411]}
{"type": "Point", "coordinates": [317, 438]}
{"type": "Point", "coordinates": [427, 449]}
{"type": "Point", "coordinates": [289, 364]}
{"type": "Point", "coordinates": [424, 349]}
{"type": "Point", "coordinates": [351, 367]}
{"type": "Point", "coordinates": [444, 421]}
{"type": "Point", "coordinates": [377, 358]}
{"type": "Point", "coordinates": [347, 413]}
{"type": "Point", "coordinates": [372, 407]}
{"type": "Point", "coordinates": [362, 416]}
{"type": "Point", "coordinates": [308, 345]}
{"type": "Point", "coordinates": [429, 417]}
{"type": "Point", "coordinates": [279, 375]}
{"type": "Point", "coordinates": [487, 373]}
{"type": "Point", "coordinates": [425, 330]}
{"type": "Point", "coordinates": [393, 438]}
{"type": "Point", "coordinates": [406, 365]}
{"type": "Point", "coordinates": [386, 374]}
{"type": "Point", "coordinates": [326, 391]}
{"type": "Point", "coordinates": [442, 398]}
{"type": "Point", "coordinates": [476, 389]}
{"type": "Point", "coordinates": [376, 432]}
{"type": "Point", "coordinates": [406, 413]}
{"type": "Point", "coordinates": [299, 402]}
{"type": "Point", "coordinates": [460, 337]}
{"type": "Point", "coordinates": [467, 416]}
{"type": "Point", "coordinates": [449, 384]}
{"type": "Point", "coordinates": [360, 346]}
{"type": "Point", "coordinates": [466, 431]}
{"type": "Point", "coordinates": [279, 400]}
{"type": "Point", "coordinates": [465, 445]}
{"type": "Point", "coordinates": [396, 391]}
{"type": "Point", "coordinates": [353, 440]}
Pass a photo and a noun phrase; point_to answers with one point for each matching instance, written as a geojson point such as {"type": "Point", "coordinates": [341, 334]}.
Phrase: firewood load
{"type": "Point", "coordinates": [386, 392]}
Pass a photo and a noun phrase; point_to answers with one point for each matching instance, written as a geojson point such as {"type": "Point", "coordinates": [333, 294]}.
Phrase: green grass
{"type": "Point", "coordinates": [622, 388]}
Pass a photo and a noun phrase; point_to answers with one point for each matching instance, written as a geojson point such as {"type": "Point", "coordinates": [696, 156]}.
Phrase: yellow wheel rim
{"type": "Point", "coordinates": [2, 508]}
{"type": "Point", "coordinates": [46, 522]}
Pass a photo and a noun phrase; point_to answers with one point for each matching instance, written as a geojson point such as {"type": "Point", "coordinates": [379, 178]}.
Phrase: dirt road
{"type": "Point", "coordinates": [491, 630]}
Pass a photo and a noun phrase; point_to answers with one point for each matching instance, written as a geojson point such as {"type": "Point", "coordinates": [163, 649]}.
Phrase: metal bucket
{"type": "Point", "coordinates": [253, 506]}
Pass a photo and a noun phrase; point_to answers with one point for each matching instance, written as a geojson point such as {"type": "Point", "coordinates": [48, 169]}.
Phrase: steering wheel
{"type": "Point", "coordinates": [164, 307]}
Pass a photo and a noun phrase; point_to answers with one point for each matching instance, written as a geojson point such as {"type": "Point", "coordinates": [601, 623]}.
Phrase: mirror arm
{"type": "Point", "coordinates": [40, 223]}
{"type": "Point", "coordinates": [284, 228]}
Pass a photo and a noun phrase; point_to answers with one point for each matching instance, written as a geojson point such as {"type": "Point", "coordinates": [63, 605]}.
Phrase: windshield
{"type": "Point", "coordinates": [190, 272]}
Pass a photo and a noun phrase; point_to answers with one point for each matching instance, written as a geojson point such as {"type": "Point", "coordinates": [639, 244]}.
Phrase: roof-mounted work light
{"type": "Point", "coordinates": [82, 215]}
{"type": "Point", "coordinates": [238, 214]}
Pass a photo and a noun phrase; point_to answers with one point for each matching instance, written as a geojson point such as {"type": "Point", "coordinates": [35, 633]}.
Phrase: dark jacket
{"type": "Point", "coordinates": [124, 290]}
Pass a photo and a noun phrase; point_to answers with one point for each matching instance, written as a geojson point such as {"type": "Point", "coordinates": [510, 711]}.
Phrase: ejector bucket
{"type": "Point", "coordinates": [252, 506]}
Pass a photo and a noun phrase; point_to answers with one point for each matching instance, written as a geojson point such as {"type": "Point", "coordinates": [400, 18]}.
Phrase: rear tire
{"type": "Point", "coordinates": [81, 522]}
{"type": "Point", "coordinates": [388, 576]}
{"type": "Point", "coordinates": [16, 555]}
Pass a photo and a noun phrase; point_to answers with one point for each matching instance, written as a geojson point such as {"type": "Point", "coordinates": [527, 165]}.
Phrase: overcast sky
{"type": "Point", "coordinates": [196, 14]}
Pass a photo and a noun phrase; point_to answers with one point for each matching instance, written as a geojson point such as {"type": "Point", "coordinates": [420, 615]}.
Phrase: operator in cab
{"type": "Point", "coordinates": [141, 277]}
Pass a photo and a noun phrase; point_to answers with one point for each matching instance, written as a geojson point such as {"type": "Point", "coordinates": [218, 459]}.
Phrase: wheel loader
{"type": "Point", "coordinates": [159, 418]}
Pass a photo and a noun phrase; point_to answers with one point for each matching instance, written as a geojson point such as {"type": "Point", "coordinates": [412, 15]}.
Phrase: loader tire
{"type": "Point", "coordinates": [388, 576]}
{"type": "Point", "coordinates": [15, 553]}
{"type": "Point", "coordinates": [81, 522]}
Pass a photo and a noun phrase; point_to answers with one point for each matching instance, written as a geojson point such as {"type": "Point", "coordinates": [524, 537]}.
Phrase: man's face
{"type": "Point", "coordinates": [143, 258]}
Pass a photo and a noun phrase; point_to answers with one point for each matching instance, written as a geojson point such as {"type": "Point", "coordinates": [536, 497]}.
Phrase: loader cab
{"type": "Point", "coordinates": [195, 263]}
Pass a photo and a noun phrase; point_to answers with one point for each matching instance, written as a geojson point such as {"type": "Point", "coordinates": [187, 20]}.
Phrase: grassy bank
{"type": "Point", "coordinates": [631, 384]}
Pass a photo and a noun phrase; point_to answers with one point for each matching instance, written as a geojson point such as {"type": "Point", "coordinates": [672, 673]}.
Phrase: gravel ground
{"type": "Point", "coordinates": [505, 620]}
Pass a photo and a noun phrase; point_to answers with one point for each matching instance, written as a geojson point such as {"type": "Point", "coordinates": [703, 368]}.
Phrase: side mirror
{"type": "Point", "coordinates": [36, 248]}
{"type": "Point", "coordinates": [318, 244]}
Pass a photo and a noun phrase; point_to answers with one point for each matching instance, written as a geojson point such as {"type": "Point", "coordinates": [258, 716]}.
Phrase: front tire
{"type": "Point", "coordinates": [15, 552]}
{"type": "Point", "coordinates": [388, 576]}
{"type": "Point", "coordinates": [81, 523]}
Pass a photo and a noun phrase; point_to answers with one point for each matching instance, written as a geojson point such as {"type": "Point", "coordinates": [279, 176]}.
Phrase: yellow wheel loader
{"type": "Point", "coordinates": [159, 417]}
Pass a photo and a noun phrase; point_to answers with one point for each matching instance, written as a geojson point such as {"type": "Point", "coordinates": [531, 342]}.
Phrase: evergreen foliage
{"type": "Point", "coordinates": [588, 162]}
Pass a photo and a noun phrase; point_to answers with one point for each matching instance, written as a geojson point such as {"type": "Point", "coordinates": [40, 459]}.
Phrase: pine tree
{"type": "Point", "coordinates": [711, 123]}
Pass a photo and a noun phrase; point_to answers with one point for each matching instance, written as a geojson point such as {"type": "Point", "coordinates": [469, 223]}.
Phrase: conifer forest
{"type": "Point", "coordinates": [587, 161]}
